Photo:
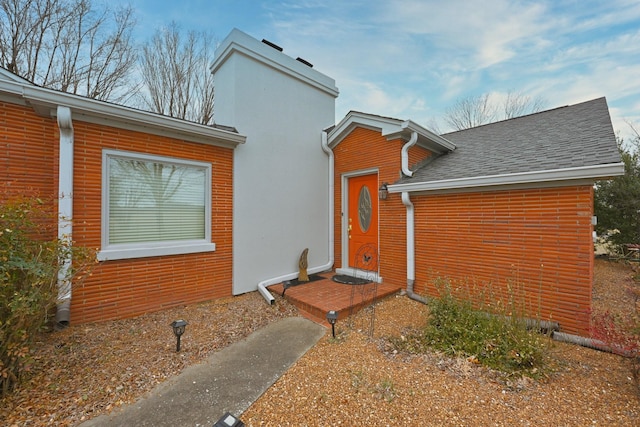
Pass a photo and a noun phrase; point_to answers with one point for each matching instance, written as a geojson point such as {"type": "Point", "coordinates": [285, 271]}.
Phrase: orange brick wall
{"type": "Point", "coordinates": [537, 241]}
{"type": "Point", "coordinates": [121, 288]}
{"type": "Point", "coordinates": [28, 160]}
{"type": "Point", "coordinates": [364, 149]}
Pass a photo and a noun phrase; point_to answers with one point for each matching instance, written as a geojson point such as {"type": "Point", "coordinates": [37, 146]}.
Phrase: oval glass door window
{"type": "Point", "coordinates": [364, 208]}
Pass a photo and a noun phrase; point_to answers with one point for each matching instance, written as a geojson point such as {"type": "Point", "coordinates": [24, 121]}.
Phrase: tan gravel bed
{"type": "Point", "coordinates": [354, 380]}
{"type": "Point", "coordinates": [87, 370]}
{"type": "Point", "coordinates": [350, 381]}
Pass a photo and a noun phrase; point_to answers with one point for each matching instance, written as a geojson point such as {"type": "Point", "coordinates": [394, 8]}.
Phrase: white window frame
{"type": "Point", "coordinates": [150, 249]}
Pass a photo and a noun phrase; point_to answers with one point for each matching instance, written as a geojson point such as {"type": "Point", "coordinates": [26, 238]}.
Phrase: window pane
{"type": "Point", "coordinates": [364, 209]}
{"type": "Point", "coordinates": [152, 201]}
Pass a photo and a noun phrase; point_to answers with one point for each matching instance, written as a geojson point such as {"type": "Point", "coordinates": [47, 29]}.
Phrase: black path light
{"type": "Point", "coordinates": [178, 329]}
{"type": "Point", "coordinates": [228, 420]}
{"type": "Point", "coordinates": [332, 316]}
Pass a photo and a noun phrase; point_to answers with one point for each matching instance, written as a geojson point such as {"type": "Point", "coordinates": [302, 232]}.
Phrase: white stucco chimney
{"type": "Point", "coordinates": [281, 173]}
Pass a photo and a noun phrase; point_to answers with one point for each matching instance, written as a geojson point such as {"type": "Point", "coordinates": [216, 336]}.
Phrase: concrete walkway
{"type": "Point", "coordinates": [230, 380]}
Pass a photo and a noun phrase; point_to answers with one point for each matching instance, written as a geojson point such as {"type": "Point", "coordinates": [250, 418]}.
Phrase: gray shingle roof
{"type": "Point", "coordinates": [568, 137]}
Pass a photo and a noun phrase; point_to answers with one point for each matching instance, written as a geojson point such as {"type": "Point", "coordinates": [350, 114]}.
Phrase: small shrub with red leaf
{"type": "Point", "coordinates": [621, 332]}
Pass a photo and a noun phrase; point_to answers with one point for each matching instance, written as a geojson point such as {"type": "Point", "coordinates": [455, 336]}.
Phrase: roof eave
{"type": "Point", "coordinates": [45, 101]}
{"type": "Point", "coordinates": [593, 173]}
{"type": "Point", "coordinates": [426, 138]}
{"type": "Point", "coordinates": [354, 119]}
{"type": "Point", "coordinates": [391, 129]}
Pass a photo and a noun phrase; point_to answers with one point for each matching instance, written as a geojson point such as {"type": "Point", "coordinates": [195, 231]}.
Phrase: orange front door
{"type": "Point", "coordinates": [362, 226]}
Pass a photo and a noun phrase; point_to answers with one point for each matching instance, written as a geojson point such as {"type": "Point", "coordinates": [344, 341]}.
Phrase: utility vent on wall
{"type": "Point", "coordinates": [273, 45]}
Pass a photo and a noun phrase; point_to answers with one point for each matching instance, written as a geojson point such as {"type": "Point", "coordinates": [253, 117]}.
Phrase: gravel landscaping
{"type": "Point", "coordinates": [354, 379]}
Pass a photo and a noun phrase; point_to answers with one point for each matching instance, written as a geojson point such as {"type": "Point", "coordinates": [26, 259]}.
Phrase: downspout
{"type": "Point", "coordinates": [262, 286]}
{"type": "Point", "coordinates": [411, 249]}
{"type": "Point", "coordinates": [405, 154]}
{"type": "Point", "coordinates": [65, 212]}
{"type": "Point", "coordinates": [329, 152]}
{"type": "Point", "coordinates": [590, 343]}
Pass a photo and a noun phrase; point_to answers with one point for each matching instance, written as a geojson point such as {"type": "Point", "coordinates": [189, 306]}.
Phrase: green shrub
{"type": "Point", "coordinates": [496, 340]}
{"type": "Point", "coordinates": [29, 265]}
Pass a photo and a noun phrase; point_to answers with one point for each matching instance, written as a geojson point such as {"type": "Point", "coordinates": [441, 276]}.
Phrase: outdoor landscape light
{"type": "Point", "coordinates": [228, 420]}
{"type": "Point", "coordinates": [178, 329]}
{"type": "Point", "coordinates": [383, 191]}
{"type": "Point", "coordinates": [332, 316]}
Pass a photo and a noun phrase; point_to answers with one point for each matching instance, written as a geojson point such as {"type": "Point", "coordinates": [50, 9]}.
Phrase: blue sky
{"type": "Point", "coordinates": [412, 59]}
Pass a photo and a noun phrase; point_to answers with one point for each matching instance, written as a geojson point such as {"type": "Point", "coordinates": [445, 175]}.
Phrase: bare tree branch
{"type": "Point", "coordinates": [479, 110]}
{"type": "Point", "coordinates": [518, 104]}
{"type": "Point", "coordinates": [176, 74]}
{"type": "Point", "coordinates": [68, 45]}
{"type": "Point", "coordinates": [470, 112]}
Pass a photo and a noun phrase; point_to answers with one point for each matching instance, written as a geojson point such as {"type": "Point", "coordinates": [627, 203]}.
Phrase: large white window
{"type": "Point", "coordinates": [154, 205]}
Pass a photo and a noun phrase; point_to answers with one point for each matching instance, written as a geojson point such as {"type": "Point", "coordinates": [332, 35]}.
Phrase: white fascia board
{"type": "Point", "coordinates": [390, 128]}
{"type": "Point", "coordinates": [10, 87]}
{"type": "Point", "coordinates": [426, 138]}
{"type": "Point", "coordinates": [554, 175]}
{"type": "Point", "coordinates": [354, 119]}
{"type": "Point", "coordinates": [94, 111]}
{"type": "Point", "coordinates": [143, 121]}
{"type": "Point", "coordinates": [238, 41]}
{"type": "Point", "coordinates": [443, 142]}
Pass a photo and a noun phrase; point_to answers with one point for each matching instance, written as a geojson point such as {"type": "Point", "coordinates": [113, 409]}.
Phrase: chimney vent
{"type": "Point", "coordinates": [273, 45]}
{"type": "Point", "coordinates": [307, 63]}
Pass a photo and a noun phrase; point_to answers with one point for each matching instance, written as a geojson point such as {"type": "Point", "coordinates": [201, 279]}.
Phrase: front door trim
{"type": "Point", "coordinates": [344, 212]}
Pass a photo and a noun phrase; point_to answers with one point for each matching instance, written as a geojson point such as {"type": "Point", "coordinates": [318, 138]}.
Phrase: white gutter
{"type": "Point", "coordinates": [133, 119]}
{"type": "Point", "coordinates": [262, 286]}
{"type": "Point", "coordinates": [405, 153]}
{"type": "Point", "coordinates": [65, 211]}
{"type": "Point", "coordinates": [552, 175]}
{"type": "Point", "coordinates": [45, 101]}
{"type": "Point", "coordinates": [411, 249]}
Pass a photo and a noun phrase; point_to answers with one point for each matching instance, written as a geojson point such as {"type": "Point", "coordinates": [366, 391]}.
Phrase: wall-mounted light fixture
{"type": "Point", "coordinates": [178, 329]}
{"type": "Point", "coordinates": [332, 316]}
{"type": "Point", "coordinates": [383, 191]}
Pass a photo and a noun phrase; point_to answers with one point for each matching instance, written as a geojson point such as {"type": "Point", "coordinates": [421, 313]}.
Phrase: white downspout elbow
{"type": "Point", "coordinates": [411, 249]}
{"type": "Point", "coordinates": [65, 212]}
{"type": "Point", "coordinates": [262, 286]}
{"type": "Point", "coordinates": [405, 154]}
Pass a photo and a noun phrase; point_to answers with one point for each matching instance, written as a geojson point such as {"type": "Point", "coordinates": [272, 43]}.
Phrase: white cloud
{"type": "Point", "coordinates": [485, 33]}
{"type": "Point", "coordinates": [413, 58]}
